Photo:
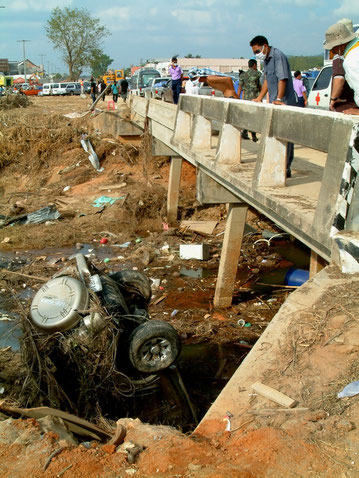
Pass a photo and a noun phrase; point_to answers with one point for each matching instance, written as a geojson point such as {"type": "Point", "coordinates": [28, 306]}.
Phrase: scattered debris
{"type": "Point", "coordinates": [349, 390]}
{"type": "Point", "coordinates": [201, 227]}
{"type": "Point", "coordinates": [87, 146]}
{"type": "Point", "coordinates": [107, 200]}
{"type": "Point", "coordinates": [75, 424]}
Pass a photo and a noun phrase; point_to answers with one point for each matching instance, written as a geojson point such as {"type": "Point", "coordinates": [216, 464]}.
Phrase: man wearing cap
{"type": "Point", "coordinates": [176, 74]}
{"type": "Point", "coordinates": [341, 39]}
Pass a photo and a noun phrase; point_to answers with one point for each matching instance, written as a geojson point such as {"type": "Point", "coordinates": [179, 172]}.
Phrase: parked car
{"type": "Point", "coordinates": [87, 87]}
{"type": "Point", "coordinates": [142, 79]}
{"type": "Point", "coordinates": [319, 96]}
{"type": "Point", "coordinates": [155, 88]}
{"type": "Point", "coordinates": [203, 90]}
{"type": "Point", "coordinates": [73, 89]}
{"type": "Point", "coordinates": [47, 89]}
{"type": "Point", "coordinates": [59, 89]}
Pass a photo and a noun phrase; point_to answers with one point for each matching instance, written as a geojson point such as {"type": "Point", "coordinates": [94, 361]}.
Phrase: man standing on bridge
{"type": "Point", "coordinates": [278, 81]}
{"type": "Point", "coordinates": [249, 82]}
{"type": "Point", "coordinates": [176, 74]}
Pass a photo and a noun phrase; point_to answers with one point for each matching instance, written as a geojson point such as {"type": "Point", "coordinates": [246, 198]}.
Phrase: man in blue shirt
{"type": "Point", "coordinates": [278, 81]}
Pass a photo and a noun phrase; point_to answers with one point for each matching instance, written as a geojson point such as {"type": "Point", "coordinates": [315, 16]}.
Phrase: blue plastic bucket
{"type": "Point", "coordinates": [296, 277]}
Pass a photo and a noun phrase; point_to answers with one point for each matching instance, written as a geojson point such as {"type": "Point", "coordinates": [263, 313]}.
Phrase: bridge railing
{"type": "Point", "coordinates": [207, 132]}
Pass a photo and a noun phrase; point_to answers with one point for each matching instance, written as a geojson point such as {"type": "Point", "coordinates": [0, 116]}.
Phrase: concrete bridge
{"type": "Point", "coordinates": [319, 204]}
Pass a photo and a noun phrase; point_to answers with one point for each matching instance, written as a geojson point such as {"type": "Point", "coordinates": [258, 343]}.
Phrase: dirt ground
{"type": "Point", "coordinates": [43, 163]}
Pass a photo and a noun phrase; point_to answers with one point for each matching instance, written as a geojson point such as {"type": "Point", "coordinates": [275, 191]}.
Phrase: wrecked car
{"type": "Point", "coordinates": [83, 301]}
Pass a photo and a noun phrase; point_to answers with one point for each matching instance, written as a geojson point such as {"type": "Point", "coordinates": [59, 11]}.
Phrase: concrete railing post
{"type": "Point", "coordinates": [229, 149]}
{"type": "Point", "coordinates": [202, 135]}
{"type": "Point", "coordinates": [182, 132]}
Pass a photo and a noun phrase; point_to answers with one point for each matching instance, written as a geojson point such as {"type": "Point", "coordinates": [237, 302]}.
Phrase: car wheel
{"type": "Point", "coordinates": [134, 282]}
{"type": "Point", "coordinates": [113, 298]}
{"type": "Point", "coordinates": [154, 346]}
{"type": "Point", "coordinates": [163, 97]}
{"type": "Point", "coordinates": [71, 93]}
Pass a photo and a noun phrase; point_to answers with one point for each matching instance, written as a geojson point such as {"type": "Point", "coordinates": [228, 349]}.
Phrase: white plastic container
{"type": "Point", "coordinates": [194, 251]}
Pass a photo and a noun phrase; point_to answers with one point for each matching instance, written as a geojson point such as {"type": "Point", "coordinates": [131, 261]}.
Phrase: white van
{"type": "Point", "coordinates": [319, 96]}
{"type": "Point", "coordinates": [59, 89]}
{"type": "Point", "coordinates": [46, 89]}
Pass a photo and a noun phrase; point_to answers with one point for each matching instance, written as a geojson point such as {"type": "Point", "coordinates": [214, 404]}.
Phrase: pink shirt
{"type": "Point", "coordinates": [299, 88]}
{"type": "Point", "coordinates": [175, 73]}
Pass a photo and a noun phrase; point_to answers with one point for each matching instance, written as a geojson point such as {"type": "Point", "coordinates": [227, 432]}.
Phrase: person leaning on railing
{"type": "Point", "coordinates": [278, 81]}
{"type": "Point", "coordinates": [341, 39]}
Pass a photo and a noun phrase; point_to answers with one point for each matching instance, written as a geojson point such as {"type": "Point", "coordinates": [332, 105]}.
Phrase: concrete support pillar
{"type": "Point", "coordinates": [229, 149]}
{"type": "Point", "coordinates": [232, 243]}
{"type": "Point", "coordinates": [316, 264]}
{"type": "Point", "coordinates": [202, 136]}
{"type": "Point", "coordinates": [173, 188]}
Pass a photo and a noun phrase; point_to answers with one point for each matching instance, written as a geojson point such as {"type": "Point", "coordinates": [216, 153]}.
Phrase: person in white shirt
{"type": "Point", "coordinates": [343, 41]}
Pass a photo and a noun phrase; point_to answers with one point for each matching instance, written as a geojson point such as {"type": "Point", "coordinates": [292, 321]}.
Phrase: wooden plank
{"type": "Point", "coordinates": [113, 186]}
{"type": "Point", "coordinates": [316, 263]}
{"type": "Point", "coordinates": [203, 227]}
{"type": "Point", "coordinates": [274, 395]}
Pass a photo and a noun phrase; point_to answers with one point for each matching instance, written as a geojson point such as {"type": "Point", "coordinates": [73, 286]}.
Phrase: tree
{"type": "Point", "coordinates": [77, 35]}
{"type": "Point", "coordinates": [305, 62]}
{"type": "Point", "coordinates": [99, 64]}
{"type": "Point", "coordinates": [189, 55]}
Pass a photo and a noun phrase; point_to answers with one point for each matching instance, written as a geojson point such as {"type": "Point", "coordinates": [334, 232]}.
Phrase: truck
{"type": "Point", "coordinates": [113, 75]}
{"type": "Point", "coordinates": [6, 80]}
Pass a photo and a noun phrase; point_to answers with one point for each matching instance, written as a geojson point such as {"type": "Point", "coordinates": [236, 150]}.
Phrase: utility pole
{"type": "Point", "coordinates": [42, 62]}
{"type": "Point", "coordinates": [23, 50]}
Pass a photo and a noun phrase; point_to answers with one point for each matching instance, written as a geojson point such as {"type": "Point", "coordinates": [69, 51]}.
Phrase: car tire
{"type": "Point", "coordinates": [113, 298]}
{"type": "Point", "coordinates": [163, 97]}
{"type": "Point", "coordinates": [133, 282]}
{"type": "Point", "coordinates": [154, 346]}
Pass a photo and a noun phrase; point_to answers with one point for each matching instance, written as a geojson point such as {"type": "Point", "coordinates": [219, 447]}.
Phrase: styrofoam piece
{"type": "Point", "coordinates": [194, 251]}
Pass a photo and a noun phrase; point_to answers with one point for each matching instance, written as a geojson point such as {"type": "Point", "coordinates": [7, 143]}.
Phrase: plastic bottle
{"type": "Point", "coordinates": [349, 390]}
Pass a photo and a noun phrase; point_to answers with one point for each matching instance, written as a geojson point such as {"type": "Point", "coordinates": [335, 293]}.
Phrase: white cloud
{"type": "Point", "coordinates": [116, 13]}
{"type": "Point", "coordinates": [37, 5]}
{"type": "Point", "coordinates": [347, 7]}
{"type": "Point", "coordinates": [153, 11]}
{"type": "Point", "coordinates": [116, 18]}
{"type": "Point", "coordinates": [193, 18]}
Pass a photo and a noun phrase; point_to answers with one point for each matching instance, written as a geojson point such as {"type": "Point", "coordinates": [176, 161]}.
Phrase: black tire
{"type": "Point", "coordinates": [133, 282]}
{"type": "Point", "coordinates": [154, 346]}
{"type": "Point", "coordinates": [71, 93]}
{"type": "Point", "coordinates": [113, 298]}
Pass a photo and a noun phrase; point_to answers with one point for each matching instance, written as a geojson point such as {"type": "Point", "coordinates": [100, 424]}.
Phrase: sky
{"type": "Point", "coordinates": [147, 29]}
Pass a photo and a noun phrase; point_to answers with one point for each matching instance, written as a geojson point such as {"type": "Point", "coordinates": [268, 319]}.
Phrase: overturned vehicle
{"type": "Point", "coordinates": [89, 342]}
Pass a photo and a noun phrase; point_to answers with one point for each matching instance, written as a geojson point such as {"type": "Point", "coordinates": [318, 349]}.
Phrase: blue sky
{"type": "Point", "coordinates": [143, 29]}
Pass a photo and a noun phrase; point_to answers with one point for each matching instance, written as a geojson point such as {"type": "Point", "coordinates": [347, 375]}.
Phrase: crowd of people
{"type": "Point", "coordinates": [276, 84]}
{"type": "Point", "coordinates": [116, 88]}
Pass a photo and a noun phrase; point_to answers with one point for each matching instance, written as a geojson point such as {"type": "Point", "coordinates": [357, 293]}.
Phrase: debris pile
{"type": "Point", "coordinates": [8, 102]}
